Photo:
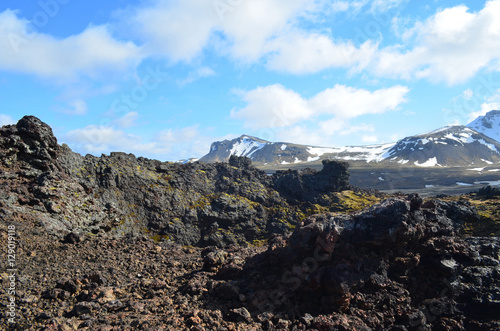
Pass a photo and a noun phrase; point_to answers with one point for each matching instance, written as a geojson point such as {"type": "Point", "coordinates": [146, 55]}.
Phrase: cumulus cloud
{"type": "Point", "coordinates": [273, 106]}
{"type": "Point", "coordinates": [241, 29]}
{"type": "Point", "coordinates": [176, 29]}
{"type": "Point", "coordinates": [245, 31]}
{"type": "Point", "coordinates": [90, 53]}
{"type": "Point", "coordinates": [282, 114]}
{"type": "Point", "coordinates": [276, 106]}
{"type": "Point", "coordinates": [451, 46]}
{"type": "Point", "coordinates": [349, 102]}
{"type": "Point", "coordinates": [250, 29]}
{"type": "Point", "coordinates": [168, 144]}
{"type": "Point", "coordinates": [303, 53]}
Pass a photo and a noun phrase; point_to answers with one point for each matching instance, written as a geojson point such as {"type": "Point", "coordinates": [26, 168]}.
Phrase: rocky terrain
{"type": "Point", "coordinates": [125, 243]}
{"type": "Point", "coordinates": [119, 194]}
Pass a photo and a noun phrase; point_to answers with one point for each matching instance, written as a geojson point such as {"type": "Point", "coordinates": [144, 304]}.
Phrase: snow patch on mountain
{"type": "Point", "coordinates": [320, 151]}
{"type": "Point", "coordinates": [432, 162]}
{"type": "Point", "coordinates": [372, 153]}
{"type": "Point", "coordinates": [491, 183]}
{"type": "Point", "coordinates": [463, 138]}
{"type": "Point", "coordinates": [246, 147]}
{"type": "Point", "coordinates": [490, 146]}
{"type": "Point", "coordinates": [488, 124]}
{"type": "Point", "coordinates": [476, 169]}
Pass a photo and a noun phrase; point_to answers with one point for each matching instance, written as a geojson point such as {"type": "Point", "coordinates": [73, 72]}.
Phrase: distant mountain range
{"type": "Point", "coordinates": [474, 144]}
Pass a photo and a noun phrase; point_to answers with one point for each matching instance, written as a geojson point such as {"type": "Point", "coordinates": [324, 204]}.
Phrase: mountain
{"type": "Point", "coordinates": [264, 152]}
{"type": "Point", "coordinates": [488, 124]}
{"type": "Point", "coordinates": [448, 146]}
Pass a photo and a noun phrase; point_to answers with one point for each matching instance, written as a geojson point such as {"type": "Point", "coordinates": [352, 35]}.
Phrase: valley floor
{"type": "Point", "coordinates": [426, 181]}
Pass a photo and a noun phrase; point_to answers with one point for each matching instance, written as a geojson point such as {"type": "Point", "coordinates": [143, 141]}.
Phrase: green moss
{"type": "Point", "coordinates": [349, 201]}
{"type": "Point", "coordinates": [157, 238]}
{"type": "Point", "coordinates": [488, 210]}
{"type": "Point", "coordinates": [202, 202]}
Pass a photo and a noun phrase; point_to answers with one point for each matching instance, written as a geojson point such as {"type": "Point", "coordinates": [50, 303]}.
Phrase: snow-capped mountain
{"type": "Point", "coordinates": [488, 124]}
{"type": "Point", "coordinates": [448, 146]}
{"type": "Point", "coordinates": [265, 152]}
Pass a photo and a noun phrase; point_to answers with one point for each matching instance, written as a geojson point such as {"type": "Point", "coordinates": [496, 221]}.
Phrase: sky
{"type": "Point", "coordinates": [164, 79]}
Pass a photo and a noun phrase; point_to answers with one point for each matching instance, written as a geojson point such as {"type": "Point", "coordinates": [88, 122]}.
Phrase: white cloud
{"type": "Point", "coordinates": [492, 103]}
{"type": "Point", "coordinates": [316, 119]}
{"type": "Point", "coordinates": [243, 30]}
{"type": "Point", "coordinates": [6, 119]}
{"type": "Point", "coordinates": [251, 27]}
{"type": "Point", "coordinates": [300, 52]}
{"type": "Point", "coordinates": [451, 46]}
{"type": "Point", "coordinates": [273, 106]}
{"type": "Point", "coordinates": [176, 29]}
{"type": "Point", "coordinates": [93, 52]}
{"type": "Point", "coordinates": [165, 145]}
{"type": "Point", "coordinates": [349, 102]}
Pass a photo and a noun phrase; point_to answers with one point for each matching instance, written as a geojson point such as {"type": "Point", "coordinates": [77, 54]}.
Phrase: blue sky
{"type": "Point", "coordinates": [165, 78]}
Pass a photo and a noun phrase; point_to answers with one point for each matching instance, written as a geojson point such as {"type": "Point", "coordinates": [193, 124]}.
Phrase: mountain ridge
{"type": "Point", "coordinates": [447, 146]}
